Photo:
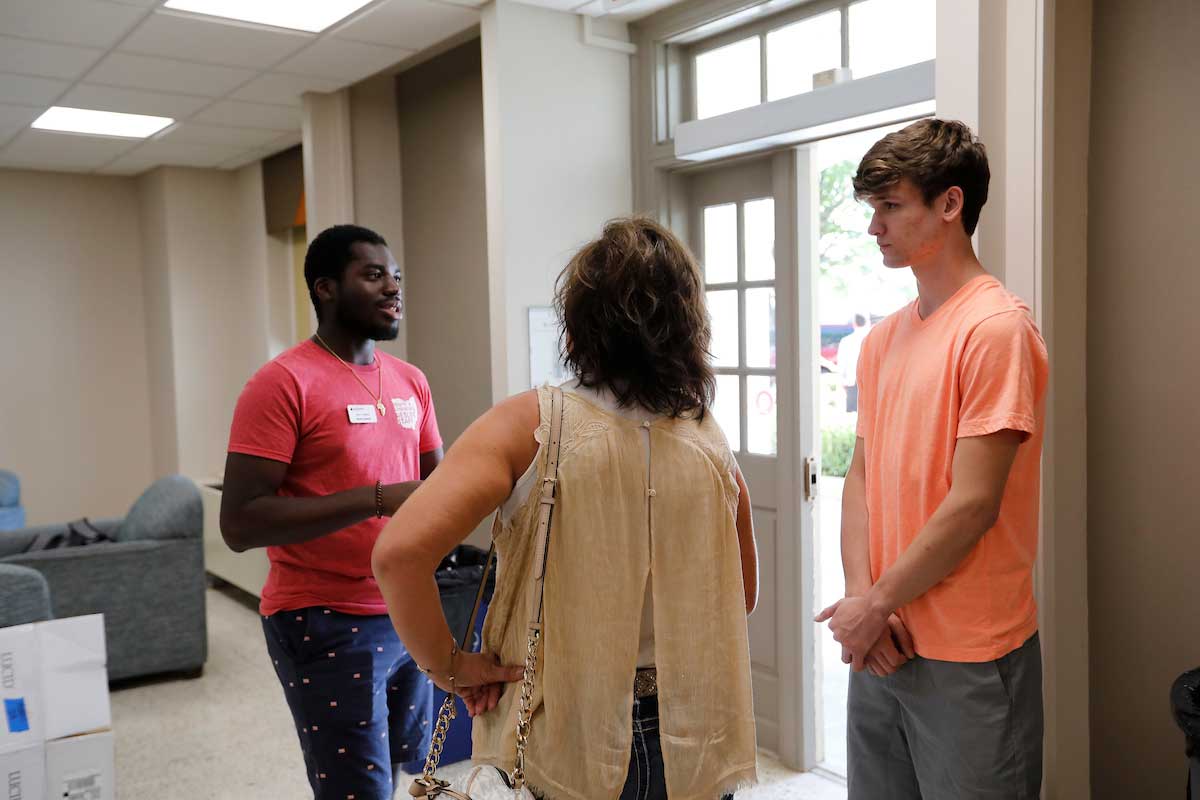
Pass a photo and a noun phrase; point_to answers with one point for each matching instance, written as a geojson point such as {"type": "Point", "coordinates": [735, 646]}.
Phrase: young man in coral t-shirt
{"type": "Point", "coordinates": [940, 506]}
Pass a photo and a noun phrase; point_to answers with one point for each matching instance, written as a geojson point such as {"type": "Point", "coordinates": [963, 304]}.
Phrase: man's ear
{"type": "Point", "coordinates": [326, 289]}
{"type": "Point", "coordinates": [951, 204]}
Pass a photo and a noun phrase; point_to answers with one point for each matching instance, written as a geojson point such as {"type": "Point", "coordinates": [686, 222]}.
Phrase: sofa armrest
{"type": "Point", "coordinates": [15, 542]}
{"type": "Point", "coordinates": [24, 595]}
{"type": "Point", "coordinates": [151, 594]}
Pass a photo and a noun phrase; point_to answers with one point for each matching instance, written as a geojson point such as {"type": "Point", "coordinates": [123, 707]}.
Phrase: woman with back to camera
{"type": "Point", "coordinates": [642, 683]}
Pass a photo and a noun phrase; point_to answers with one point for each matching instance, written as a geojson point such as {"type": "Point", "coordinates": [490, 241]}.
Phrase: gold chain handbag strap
{"type": "Point", "coordinates": [428, 785]}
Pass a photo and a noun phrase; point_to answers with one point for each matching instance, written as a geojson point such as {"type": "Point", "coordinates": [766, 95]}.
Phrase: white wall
{"type": "Point", "coordinates": [558, 163]}
{"type": "Point", "coordinates": [74, 407]}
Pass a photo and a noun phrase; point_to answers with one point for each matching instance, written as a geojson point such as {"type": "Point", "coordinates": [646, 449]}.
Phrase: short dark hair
{"type": "Point", "coordinates": [635, 319]}
{"type": "Point", "coordinates": [934, 154]}
{"type": "Point", "coordinates": [860, 320]}
{"type": "Point", "coordinates": [330, 252]}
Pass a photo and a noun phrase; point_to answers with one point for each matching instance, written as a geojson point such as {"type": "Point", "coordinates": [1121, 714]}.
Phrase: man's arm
{"type": "Point", "coordinates": [978, 476]}
{"type": "Point", "coordinates": [430, 460]}
{"type": "Point", "coordinates": [856, 553]}
{"type": "Point", "coordinates": [253, 515]}
{"type": "Point", "coordinates": [894, 645]}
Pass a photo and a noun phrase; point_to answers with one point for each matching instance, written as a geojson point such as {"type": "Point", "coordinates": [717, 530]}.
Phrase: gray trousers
{"type": "Point", "coordinates": [942, 730]}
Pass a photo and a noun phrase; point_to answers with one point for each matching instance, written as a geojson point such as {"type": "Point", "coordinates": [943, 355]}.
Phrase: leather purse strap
{"type": "Point", "coordinates": [537, 586]}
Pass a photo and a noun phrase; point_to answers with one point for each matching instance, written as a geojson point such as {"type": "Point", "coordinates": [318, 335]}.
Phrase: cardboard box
{"type": "Point", "coordinates": [81, 768]}
{"type": "Point", "coordinates": [23, 774]}
{"type": "Point", "coordinates": [20, 689]}
{"type": "Point", "coordinates": [74, 676]}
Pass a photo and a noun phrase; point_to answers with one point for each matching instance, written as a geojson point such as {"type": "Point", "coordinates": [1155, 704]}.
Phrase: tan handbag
{"type": "Point", "coordinates": [490, 783]}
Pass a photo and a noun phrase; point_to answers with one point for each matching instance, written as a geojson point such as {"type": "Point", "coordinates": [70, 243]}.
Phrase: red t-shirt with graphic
{"type": "Point", "coordinates": [298, 409]}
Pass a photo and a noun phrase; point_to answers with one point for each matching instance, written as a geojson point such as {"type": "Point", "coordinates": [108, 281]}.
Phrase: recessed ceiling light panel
{"type": "Point", "coordinates": [100, 123]}
{"type": "Point", "coordinates": [301, 15]}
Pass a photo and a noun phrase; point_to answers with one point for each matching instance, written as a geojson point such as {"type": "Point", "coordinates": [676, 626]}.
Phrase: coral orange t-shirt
{"type": "Point", "coordinates": [296, 410]}
{"type": "Point", "coordinates": [977, 365]}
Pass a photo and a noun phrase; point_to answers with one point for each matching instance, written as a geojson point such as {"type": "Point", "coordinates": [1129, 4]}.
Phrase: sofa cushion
{"type": "Point", "coordinates": [169, 509]}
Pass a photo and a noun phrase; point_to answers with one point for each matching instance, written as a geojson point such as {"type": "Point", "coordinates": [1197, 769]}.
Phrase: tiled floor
{"type": "Point", "coordinates": [228, 735]}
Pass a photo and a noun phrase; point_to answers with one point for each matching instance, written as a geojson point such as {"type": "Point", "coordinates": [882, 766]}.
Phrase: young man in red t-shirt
{"type": "Point", "coordinates": [940, 505]}
{"type": "Point", "coordinates": [328, 439]}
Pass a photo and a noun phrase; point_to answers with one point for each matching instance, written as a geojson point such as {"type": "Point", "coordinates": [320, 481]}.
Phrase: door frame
{"type": "Point", "coordinates": [794, 188]}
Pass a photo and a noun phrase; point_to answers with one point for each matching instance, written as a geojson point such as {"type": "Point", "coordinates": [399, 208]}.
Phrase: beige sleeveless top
{"type": "Point", "coordinates": [614, 528]}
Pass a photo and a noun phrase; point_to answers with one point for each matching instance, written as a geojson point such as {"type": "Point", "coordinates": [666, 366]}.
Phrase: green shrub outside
{"type": "Point", "coordinates": [837, 448]}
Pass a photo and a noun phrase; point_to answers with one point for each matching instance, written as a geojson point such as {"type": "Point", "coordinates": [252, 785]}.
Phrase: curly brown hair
{"type": "Point", "coordinates": [635, 320]}
{"type": "Point", "coordinates": [934, 154]}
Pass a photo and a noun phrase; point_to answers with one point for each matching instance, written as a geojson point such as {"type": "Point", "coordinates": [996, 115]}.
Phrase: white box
{"type": "Point", "coordinates": [81, 768]}
{"type": "Point", "coordinates": [23, 774]}
{"type": "Point", "coordinates": [20, 689]}
{"type": "Point", "coordinates": [74, 676]}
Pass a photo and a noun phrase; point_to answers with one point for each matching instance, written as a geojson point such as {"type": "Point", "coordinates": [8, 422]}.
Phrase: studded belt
{"type": "Point", "coordinates": [645, 682]}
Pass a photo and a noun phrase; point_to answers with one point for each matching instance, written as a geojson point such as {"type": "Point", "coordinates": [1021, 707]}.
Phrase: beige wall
{"type": "Point", "coordinates": [375, 148]}
{"type": "Point", "coordinates": [557, 123]}
{"type": "Point", "coordinates": [445, 224]}
{"type": "Point", "coordinates": [1064, 474]}
{"type": "Point", "coordinates": [206, 272]}
{"type": "Point", "coordinates": [75, 404]}
{"type": "Point", "coordinates": [1143, 377]}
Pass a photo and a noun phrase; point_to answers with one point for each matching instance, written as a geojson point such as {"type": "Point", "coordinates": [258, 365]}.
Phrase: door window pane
{"type": "Point", "coordinates": [796, 51]}
{"type": "Point", "coordinates": [727, 409]}
{"type": "Point", "coordinates": [761, 425]}
{"type": "Point", "coordinates": [760, 328]}
{"type": "Point", "coordinates": [720, 243]}
{"type": "Point", "coordinates": [723, 310]}
{"type": "Point", "coordinates": [728, 78]}
{"type": "Point", "coordinates": [889, 34]}
{"type": "Point", "coordinates": [760, 239]}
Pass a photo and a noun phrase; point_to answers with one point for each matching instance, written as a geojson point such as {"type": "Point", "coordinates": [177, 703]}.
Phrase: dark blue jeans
{"type": "Point", "coordinates": [646, 779]}
{"type": "Point", "coordinates": [359, 702]}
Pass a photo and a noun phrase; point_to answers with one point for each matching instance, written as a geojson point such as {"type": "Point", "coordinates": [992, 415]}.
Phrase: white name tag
{"type": "Point", "coordinates": [361, 414]}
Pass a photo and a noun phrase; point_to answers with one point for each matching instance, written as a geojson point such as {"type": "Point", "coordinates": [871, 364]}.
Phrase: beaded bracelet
{"type": "Point", "coordinates": [378, 499]}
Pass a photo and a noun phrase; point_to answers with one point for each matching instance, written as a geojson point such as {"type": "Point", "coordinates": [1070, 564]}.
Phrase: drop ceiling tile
{"type": "Point", "coordinates": [167, 75]}
{"type": "Point", "coordinates": [134, 101]}
{"type": "Point", "coordinates": [194, 133]}
{"type": "Point", "coordinates": [129, 165]}
{"type": "Point", "coordinates": [25, 90]}
{"type": "Point", "coordinates": [241, 160]}
{"type": "Point", "coordinates": [85, 22]}
{"type": "Point", "coordinates": [185, 154]}
{"type": "Point", "coordinates": [280, 89]}
{"type": "Point", "coordinates": [47, 60]}
{"type": "Point", "coordinates": [62, 151]}
{"type": "Point", "coordinates": [18, 116]}
{"type": "Point", "coordinates": [411, 24]}
{"type": "Point", "coordinates": [334, 58]}
{"type": "Point", "coordinates": [212, 42]}
{"type": "Point", "coordinates": [250, 115]}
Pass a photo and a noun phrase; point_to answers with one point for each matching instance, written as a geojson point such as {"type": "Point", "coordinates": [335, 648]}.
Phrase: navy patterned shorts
{"type": "Point", "coordinates": [359, 701]}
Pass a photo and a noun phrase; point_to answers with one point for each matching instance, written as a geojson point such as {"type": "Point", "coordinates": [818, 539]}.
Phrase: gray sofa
{"type": "Point", "coordinates": [24, 596]}
{"type": "Point", "coordinates": [149, 582]}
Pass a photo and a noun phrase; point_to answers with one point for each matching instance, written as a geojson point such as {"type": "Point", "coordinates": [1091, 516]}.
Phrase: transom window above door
{"type": "Point", "coordinates": [773, 58]}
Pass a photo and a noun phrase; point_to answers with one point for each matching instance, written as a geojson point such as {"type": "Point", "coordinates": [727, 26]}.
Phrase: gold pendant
{"type": "Point", "coordinates": [382, 409]}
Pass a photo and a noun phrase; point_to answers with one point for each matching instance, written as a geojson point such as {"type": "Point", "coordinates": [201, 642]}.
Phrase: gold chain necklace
{"type": "Point", "coordinates": [378, 397]}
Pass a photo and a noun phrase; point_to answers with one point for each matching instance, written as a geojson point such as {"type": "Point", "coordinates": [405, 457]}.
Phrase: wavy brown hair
{"type": "Point", "coordinates": [635, 321]}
